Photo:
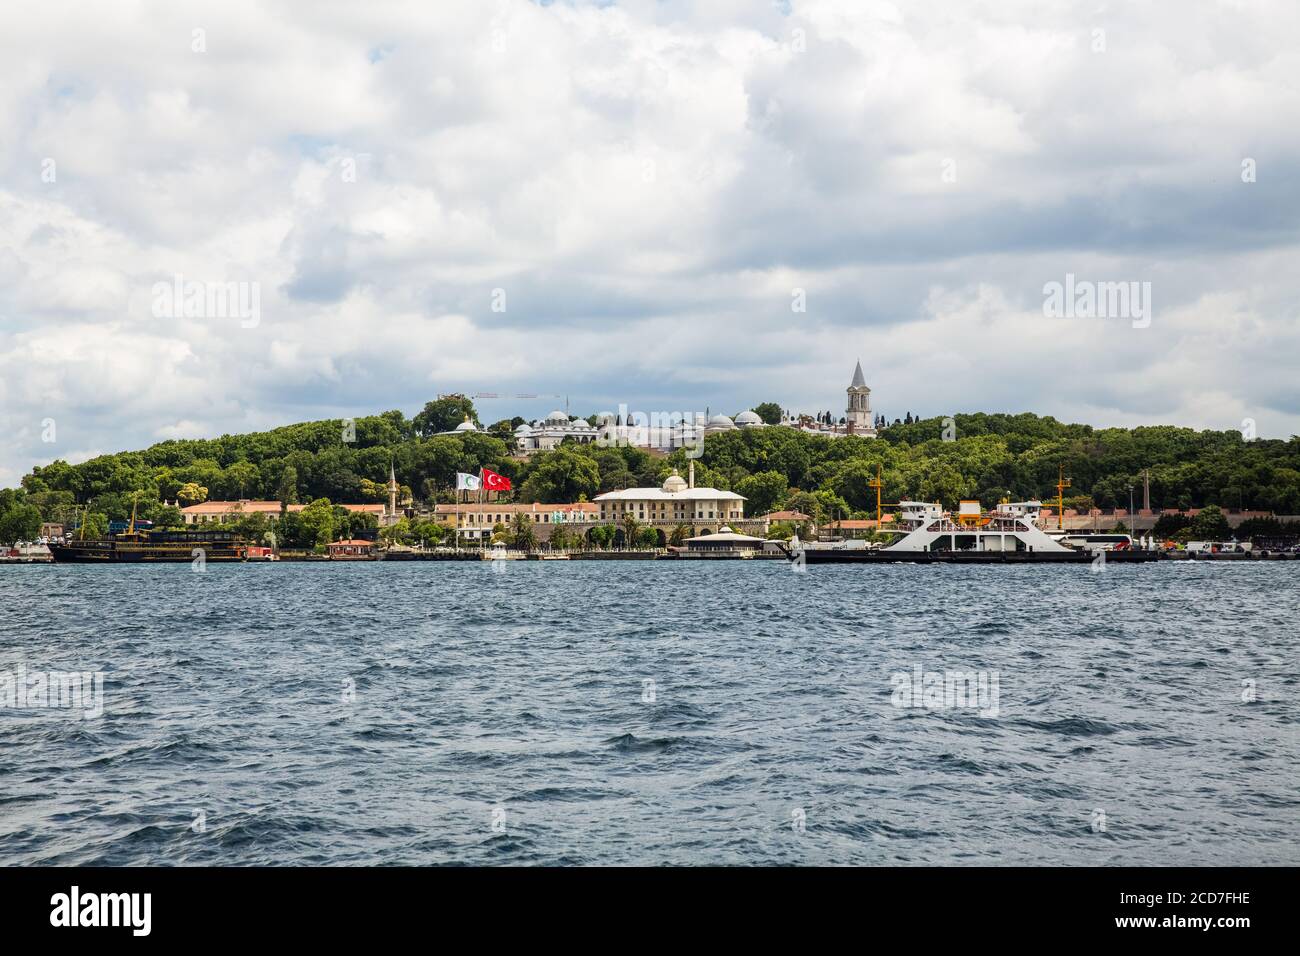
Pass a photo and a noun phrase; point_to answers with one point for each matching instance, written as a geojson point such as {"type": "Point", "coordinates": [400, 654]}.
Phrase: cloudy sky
{"type": "Point", "coordinates": [619, 202]}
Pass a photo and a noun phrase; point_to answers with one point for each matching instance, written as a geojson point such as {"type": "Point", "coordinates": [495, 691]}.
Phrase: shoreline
{"type": "Point", "coordinates": [868, 558]}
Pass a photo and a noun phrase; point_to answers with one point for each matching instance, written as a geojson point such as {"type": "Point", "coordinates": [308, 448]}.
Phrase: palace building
{"type": "Point", "coordinates": [676, 502]}
{"type": "Point", "coordinates": [475, 522]}
{"type": "Point", "coordinates": [547, 433]}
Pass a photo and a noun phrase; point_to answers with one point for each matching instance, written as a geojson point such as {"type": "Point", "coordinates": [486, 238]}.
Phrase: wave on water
{"type": "Point", "coordinates": [567, 713]}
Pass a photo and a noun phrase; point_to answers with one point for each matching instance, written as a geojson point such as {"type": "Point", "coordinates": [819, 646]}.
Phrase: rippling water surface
{"type": "Point", "coordinates": [506, 718]}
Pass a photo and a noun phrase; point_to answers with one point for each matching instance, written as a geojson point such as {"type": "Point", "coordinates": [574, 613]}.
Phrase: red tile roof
{"type": "Point", "coordinates": [267, 507]}
{"type": "Point", "coordinates": [225, 507]}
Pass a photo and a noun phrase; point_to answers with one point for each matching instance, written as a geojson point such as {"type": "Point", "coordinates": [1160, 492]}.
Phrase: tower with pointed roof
{"type": "Point", "coordinates": [857, 416]}
{"type": "Point", "coordinates": [392, 494]}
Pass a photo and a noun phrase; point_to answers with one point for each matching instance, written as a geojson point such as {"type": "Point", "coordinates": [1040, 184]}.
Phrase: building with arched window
{"type": "Point", "coordinates": [674, 503]}
{"type": "Point", "coordinates": [550, 432]}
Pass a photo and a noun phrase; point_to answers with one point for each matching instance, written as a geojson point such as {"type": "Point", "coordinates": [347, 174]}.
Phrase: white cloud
{"type": "Point", "coordinates": [647, 181]}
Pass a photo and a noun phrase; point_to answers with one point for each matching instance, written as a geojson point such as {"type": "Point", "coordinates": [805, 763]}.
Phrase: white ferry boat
{"type": "Point", "coordinates": [1008, 528]}
{"type": "Point", "coordinates": [1009, 533]}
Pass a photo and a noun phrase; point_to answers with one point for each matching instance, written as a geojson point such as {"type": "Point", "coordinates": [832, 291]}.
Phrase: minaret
{"type": "Point", "coordinates": [857, 414]}
{"type": "Point", "coordinates": [392, 494]}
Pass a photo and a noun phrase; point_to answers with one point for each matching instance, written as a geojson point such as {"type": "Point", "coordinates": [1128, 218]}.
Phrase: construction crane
{"type": "Point", "coordinates": [522, 396]}
{"type": "Point", "coordinates": [1061, 484]}
{"type": "Point", "coordinates": [519, 396]}
{"type": "Point", "coordinates": [878, 484]}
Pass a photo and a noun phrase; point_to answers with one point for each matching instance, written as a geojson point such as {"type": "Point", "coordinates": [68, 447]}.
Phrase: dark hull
{"type": "Point", "coordinates": [139, 554]}
{"type": "Point", "coordinates": [844, 556]}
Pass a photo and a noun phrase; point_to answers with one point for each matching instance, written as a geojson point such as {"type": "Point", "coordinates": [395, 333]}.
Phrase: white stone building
{"type": "Point", "coordinates": [678, 501]}
{"type": "Point", "coordinates": [548, 433]}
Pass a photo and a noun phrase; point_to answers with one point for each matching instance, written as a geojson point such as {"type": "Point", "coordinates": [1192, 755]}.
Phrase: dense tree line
{"type": "Point", "coordinates": [984, 456]}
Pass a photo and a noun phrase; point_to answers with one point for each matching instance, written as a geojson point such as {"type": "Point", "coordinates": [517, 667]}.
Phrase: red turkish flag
{"type": "Point", "coordinates": [494, 482]}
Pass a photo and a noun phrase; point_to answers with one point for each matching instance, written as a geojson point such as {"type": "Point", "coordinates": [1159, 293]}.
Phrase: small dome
{"type": "Point", "coordinates": [523, 429]}
{"type": "Point", "coordinates": [674, 483]}
{"type": "Point", "coordinates": [748, 418]}
{"type": "Point", "coordinates": [720, 423]}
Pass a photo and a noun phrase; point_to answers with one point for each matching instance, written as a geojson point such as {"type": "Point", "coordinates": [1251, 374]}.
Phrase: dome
{"type": "Point", "coordinates": [558, 417]}
{"type": "Point", "coordinates": [748, 418]}
{"type": "Point", "coordinates": [674, 483]}
{"type": "Point", "coordinates": [466, 426]}
{"type": "Point", "coordinates": [523, 429]}
{"type": "Point", "coordinates": [719, 423]}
